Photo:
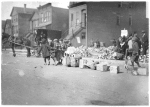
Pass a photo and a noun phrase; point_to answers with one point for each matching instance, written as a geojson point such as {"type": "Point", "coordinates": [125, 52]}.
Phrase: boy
{"type": "Point", "coordinates": [135, 52]}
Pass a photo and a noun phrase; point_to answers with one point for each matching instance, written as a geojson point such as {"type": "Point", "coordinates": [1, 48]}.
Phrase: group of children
{"type": "Point", "coordinates": [53, 49]}
{"type": "Point", "coordinates": [129, 46]}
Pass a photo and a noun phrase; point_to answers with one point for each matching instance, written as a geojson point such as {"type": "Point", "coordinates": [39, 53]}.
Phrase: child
{"type": "Point", "coordinates": [128, 52]}
{"type": "Point", "coordinates": [45, 48]}
{"type": "Point", "coordinates": [135, 52]}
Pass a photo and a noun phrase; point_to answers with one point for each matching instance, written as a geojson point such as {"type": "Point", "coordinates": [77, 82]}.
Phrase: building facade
{"type": "Point", "coordinates": [50, 18]}
{"type": "Point", "coordinates": [8, 27]}
{"type": "Point", "coordinates": [20, 20]}
{"type": "Point", "coordinates": [77, 24]}
{"type": "Point", "coordinates": [105, 20]}
{"type": "Point", "coordinates": [3, 25]}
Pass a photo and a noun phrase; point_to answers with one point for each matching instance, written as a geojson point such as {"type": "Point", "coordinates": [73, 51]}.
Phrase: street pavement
{"type": "Point", "coordinates": [27, 81]}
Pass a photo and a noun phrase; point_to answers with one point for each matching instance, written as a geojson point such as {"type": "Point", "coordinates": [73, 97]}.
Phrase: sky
{"type": "Point", "coordinates": [6, 6]}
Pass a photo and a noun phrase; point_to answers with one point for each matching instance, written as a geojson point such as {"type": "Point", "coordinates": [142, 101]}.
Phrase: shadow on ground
{"type": "Point", "coordinates": [97, 102]}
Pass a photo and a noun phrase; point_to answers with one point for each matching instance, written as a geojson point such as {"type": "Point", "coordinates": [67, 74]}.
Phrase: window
{"type": "Point", "coordinates": [77, 18]}
{"type": "Point", "coordinates": [40, 20]}
{"type": "Point", "coordinates": [130, 5]}
{"type": "Point", "coordinates": [49, 16]}
{"type": "Point", "coordinates": [120, 5]}
{"type": "Point", "coordinates": [45, 16]}
{"type": "Point", "coordinates": [13, 19]}
{"type": "Point", "coordinates": [118, 19]}
{"type": "Point", "coordinates": [83, 35]}
{"type": "Point", "coordinates": [33, 24]}
{"type": "Point", "coordinates": [16, 29]}
{"type": "Point", "coordinates": [42, 17]}
{"type": "Point", "coordinates": [7, 26]}
{"type": "Point", "coordinates": [16, 18]}
{"type": "Point", "coordinates": [71, 17]}
{"type": "Point", "coordinates": [130, 20]}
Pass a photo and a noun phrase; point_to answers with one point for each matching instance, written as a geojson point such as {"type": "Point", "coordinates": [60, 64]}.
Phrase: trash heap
{"type": "Point", "coordinates": [102, 52]}
{"type": "Point", "coordinates": [98, 53]}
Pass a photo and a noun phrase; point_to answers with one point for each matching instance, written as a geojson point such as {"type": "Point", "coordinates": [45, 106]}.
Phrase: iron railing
{"type": "Point", "coordinates": [76, 29]}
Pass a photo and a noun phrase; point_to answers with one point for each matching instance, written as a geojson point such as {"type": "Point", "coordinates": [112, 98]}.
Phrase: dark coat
{"type": "Point", "coordinates": [135, 47]}
{"type": "Point", "coordinates": [27, 42]}
{"type": "Point", "coordinates": [45, 48]}
{"type": "Point", "coordinates": [139, 42]}
{"type": "Point", "coordinates": [144, 39]}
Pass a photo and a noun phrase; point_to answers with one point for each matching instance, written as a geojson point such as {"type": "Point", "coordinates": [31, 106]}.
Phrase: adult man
{"type": "Point", "coordinates": [138, 39]}
{"type": "Point", "coordinates": [27, 43]}
{"type": "Point", "coordinates": [37, 38]}
{"type": "Point", "coordinates": [144, 40]}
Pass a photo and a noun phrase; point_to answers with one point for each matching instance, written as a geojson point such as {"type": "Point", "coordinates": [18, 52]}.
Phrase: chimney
{"type": "Point", "coordinates": [24, 8]}
{"type": "Point", "coordinates": [39, 7]}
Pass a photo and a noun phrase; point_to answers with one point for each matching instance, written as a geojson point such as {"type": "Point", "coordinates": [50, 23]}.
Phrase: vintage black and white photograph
{"type": "Point", "coordinates": [75, 53]}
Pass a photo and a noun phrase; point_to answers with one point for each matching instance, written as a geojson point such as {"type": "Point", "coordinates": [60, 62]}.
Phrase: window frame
{"type": "Point", "coordinates": [118, 21]}
{"type": "Point", "coordinates": [130, 20]}
{"type": "Point", "coordinates": [42, 17]}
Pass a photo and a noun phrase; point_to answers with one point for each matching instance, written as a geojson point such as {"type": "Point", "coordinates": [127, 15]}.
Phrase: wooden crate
{"type": "Point", "coordinates": [102, 67]}
{"type": "Point", "coordinates": [143, 71]}
{"type": "Point", "coordinates": [114, 69]}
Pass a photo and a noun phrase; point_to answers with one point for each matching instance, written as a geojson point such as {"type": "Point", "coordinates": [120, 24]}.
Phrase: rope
{"type": "Point", "coordinates": [21, 44]}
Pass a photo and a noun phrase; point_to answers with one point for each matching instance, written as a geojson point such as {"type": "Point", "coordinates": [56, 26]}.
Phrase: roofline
{"type": "Point", "coordinates": [11, 11]}
{"type": "Point", "coordinates": [60, 8]}
{"type": "Point", "coordinates": [76, 4]}
{"type": "Point", "coordinates": [32, 15]}
{"type": "Point", "coordinates": [44, 5]}
{"type": "Point", "coordinates": [21, 7]}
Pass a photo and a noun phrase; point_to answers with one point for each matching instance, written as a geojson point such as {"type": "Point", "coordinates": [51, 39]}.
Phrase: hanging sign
{"type": "Point", "coordinates": [124, 32]}
{"type": "Point", "coordinates": [78, 39]}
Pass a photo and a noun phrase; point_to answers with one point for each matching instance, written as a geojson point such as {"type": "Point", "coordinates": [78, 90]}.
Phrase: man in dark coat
{"type": "Point", "coordinates": [137, 40]}
{"type": "Point", "coordinates": [61, 49]}
{"type": "Point", "coordinates": [57, 47]}
{"type": "Point", "coordinates": [45, 48]}
{"type": "Point", "coordinates": [121, 46]}
{"type": "Point", "coordinates": [27, 43]}
{"type": "Point", "coordinates": [144, 40]}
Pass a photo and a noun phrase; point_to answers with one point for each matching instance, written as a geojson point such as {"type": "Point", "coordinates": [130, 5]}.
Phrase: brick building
{"type": "Point", "coordinates": [8, 27]}
{"type": "Point", "coordinates": [20, 20]}
{"type": "Point", "coordinates": [104, 21]}
{"type": "Point", "coordinates": [50, 18]}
